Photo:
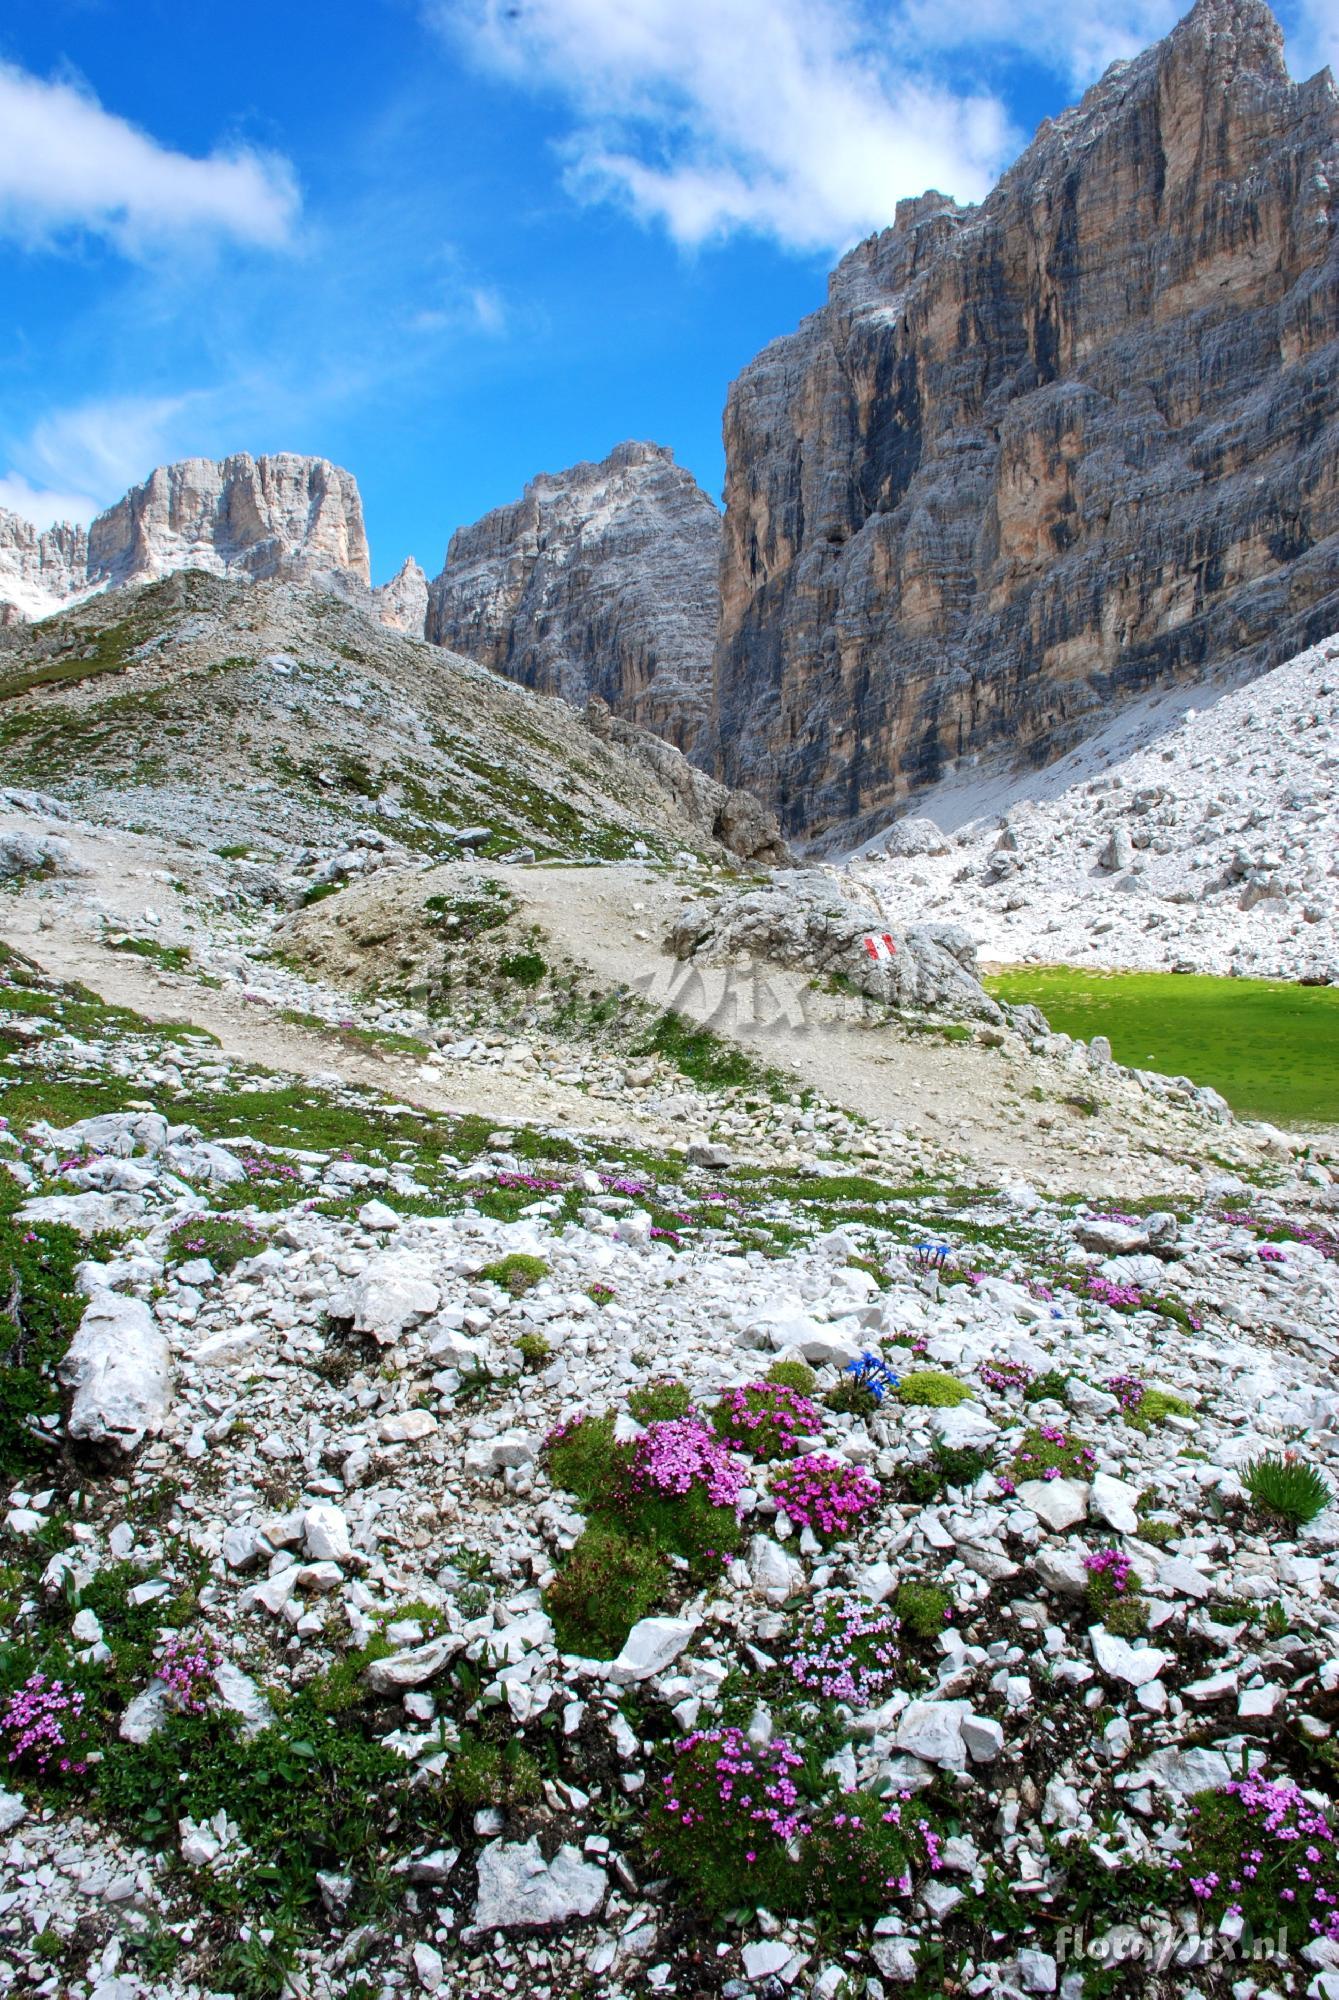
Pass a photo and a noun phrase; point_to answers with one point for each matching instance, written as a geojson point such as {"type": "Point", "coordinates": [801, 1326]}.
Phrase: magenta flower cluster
{"type": "Point", "coordinates": [260, 1167]}
{"type": "Point", "coordinates": [847, 1651]}
{"type": "Point", "coordinates": [675, 1456]}
{"type": "Point", "coordinates": [1005, 1375]}
{"type": "Point", "coordinates": [766, 1418]}
{"type": "Point", "coordinates": [828, 1495]}
{"type": "Point", "coordinates": [1269, 1253]}
{"type": "Point", "coordinates": [1126, 1298]}
{"type": "Point", "coordinates": [752, 1780]}
{"type": "Point", "coordinates": [1113, 1567]}
{"type": "Point", "coordinates": [186, 1669]}
{"type": "Point", "coordinates": [34, 1721]}
{"type": "Point", "coordinates": [1127, 1389]}
{"type": "Point", "coordinates": [1298, 1856]}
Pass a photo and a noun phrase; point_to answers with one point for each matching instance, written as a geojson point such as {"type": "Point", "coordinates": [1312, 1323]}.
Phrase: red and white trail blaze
{"type": "Point", "coordinates": [879, 945]}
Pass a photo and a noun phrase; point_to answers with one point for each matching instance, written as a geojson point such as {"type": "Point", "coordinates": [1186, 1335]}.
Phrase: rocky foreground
{"type": "Point", "coordinates": [444, 1558]}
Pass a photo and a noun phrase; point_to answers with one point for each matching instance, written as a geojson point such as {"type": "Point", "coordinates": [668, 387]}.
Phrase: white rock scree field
{"type": "Point", "coordinates": [566, 1429]}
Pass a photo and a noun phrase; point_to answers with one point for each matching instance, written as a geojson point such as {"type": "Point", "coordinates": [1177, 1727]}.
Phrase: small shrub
{"type": "Point", "coordinates": [725, 1818]}
{"type": "Point", "coordinates": [601, 1294]}
{"type": "Point", "coordinates": [961, 1464]}
{"type": "Point", "coordinates": [515, 1274]}
{"type": "Point", "coordinates": [1047, 1451]}
{"type": "Point", "coordinates": [660, 1402]}
{"type": "Point", "coordinates": [847, 1650]}
{"type": "Point", "coordinates": [1004, 1376]}
{"type": "Point", "coordinates": [864, 1384]}
{"type": "Point", "coordinates": [828, 1495]}
{"type": "Point", "coordinates": [489, 1774]}
{"type": "Point", "coordinates": [606, 1584]}
{"type": "Point", "coordinates": [1287, 1488]}
{"type": "Point", "coordinates": [863, 1851]}
{"type": "Point", "coordinates": [923, 1609]}
{"type": "Point", "coordinates": [766, 1419]}
{"type": "Point", "coordinates": [318, 893]}
{"type": "Point", "coordinates": [527, 968]}
{"type": "Point", "coordinates": [929, 1388]}
{"type": "Point", "coordinates": [677, 1486]}
{"type": "Point", "coordinates": [535, 1350]}
{"type": "Point", "coordinates": [581, 1456]}
{"type": "Point", "coordinates": [1127, 1617]}
{"type": "Point", "coordinates": [1263, 1848]}
{"type": "Point", "coordinates": [796, 1375]}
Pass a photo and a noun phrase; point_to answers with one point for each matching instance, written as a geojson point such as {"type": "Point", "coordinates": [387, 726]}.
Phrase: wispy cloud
{"type": "Point", "coordinates": [68, 165]}
{"type": "Point", "coordinates": [77, 460]}
{"type": "Point", "coordinates": [784, 117]}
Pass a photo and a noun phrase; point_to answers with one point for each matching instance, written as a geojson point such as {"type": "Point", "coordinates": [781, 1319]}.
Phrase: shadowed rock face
{"type": "Point", "coordinates": [281, 516]}
{"type": "Point", "coordinates": [1035, 455]}
{"type": "Point", "coordinates": [602, 580]}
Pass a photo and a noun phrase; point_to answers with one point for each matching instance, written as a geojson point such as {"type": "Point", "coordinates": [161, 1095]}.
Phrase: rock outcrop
{"type": "Point", "coordinates": [739, 820]}
{"type": "Point", "coordinates": [1036, 455]}
{"type": "Point", "coordinates": [403, 602]}
{"type": "Point", "coordinates": [282, 516]}
{"type": "Point", "coordinates": [601, 580]}
{"type": "Point", "coordinates": [803, 920]}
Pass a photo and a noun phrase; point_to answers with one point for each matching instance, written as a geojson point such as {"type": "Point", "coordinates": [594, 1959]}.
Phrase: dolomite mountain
{"type": "Point", "coordinates": [600, 581]}
{"type": "Point", "coordinates": [1035, 456]}
{"type": "Point", "coordinates": [282, 516]}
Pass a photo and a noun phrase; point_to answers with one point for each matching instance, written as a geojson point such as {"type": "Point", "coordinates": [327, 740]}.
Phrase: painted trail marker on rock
{"type": "Point", "coordinates": [879, 945]}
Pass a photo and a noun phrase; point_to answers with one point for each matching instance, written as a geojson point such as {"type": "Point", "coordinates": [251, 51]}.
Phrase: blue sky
{"type": "Point", "coordinates": [452, 243]}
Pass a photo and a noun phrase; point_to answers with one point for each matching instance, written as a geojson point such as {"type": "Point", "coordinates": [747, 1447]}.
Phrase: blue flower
{"type": "Point", "coordinates": [873, 1374]}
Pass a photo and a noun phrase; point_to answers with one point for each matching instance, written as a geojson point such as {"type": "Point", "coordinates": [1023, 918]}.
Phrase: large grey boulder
{"type": "Point", "coordinates": [35, 854]}
{"type": "Point", "coordinates": [803, 920]}
{"type": "Point", "coordinates": [119, 1366]}
{"type": "Point", "coordinates": [520, 1890]}
{"type": "Point", "coordinates": [395, 1291]}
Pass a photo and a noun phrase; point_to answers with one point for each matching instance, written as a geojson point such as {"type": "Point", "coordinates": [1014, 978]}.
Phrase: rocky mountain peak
{"type": "Point", "coordinates": [282, 515]}
{"type": "Point", "coordinates": [1034, 455]}
{"type": "Point", "coordinates": [600, 580]}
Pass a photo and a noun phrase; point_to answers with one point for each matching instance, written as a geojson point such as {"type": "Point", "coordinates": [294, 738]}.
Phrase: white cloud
{"type": "Point", "coordinates": [77, 461]}
{"type": "Point", "coordinates": [1315, 43]}
{"type": "Point", "coordinates": [1075, 41]}
{"type": "Point", "coordinates": [67, 164]}
{"type": "Point", "coordinates": [786, 117]}
{"type": "Point", "coordinates": [44, 506]}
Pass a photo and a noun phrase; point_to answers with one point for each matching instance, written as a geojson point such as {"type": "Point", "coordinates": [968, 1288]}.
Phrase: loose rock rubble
{"type": "Point", "coordinates": [304, 1494]}
{"type": "Point", "coordinates": [1199, 832]}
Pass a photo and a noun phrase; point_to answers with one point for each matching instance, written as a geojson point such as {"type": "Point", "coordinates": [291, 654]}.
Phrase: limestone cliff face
{"type": "Point", "coordinates": [282, 516]}
{"type": "Point", "coordinates": [38, 571]}
{"type": "Point", "coordinates": [1035, 455]}
{"type": "Point", "coordinates": [603, 581]}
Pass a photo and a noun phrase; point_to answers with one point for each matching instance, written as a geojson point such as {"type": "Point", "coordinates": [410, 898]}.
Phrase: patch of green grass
{"type": "Point", "coordinates": [1270, 1048]}
{"type": "Point", "coordinates": [39, 1312]}
{"type": "Point", "coordinates": [710, 1061]}
{"type": "Point", "coordinates": [171, 957]}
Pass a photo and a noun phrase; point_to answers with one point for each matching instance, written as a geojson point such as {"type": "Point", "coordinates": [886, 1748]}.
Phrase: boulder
{"type": "Point", "coordinates": [394, 1292]}
{"type": "Point", "coordinates": [520, 1890]}
{"type": "Point", "coordinates": [119, 1366]}
{"type": "Point", "coordinates": [804, 920]}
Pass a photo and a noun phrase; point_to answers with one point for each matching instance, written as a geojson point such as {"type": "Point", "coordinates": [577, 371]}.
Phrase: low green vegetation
{"type": "Point", "coordinates": [607, 1583]}
{"type": "Point", "coordinates": [1287, 1488]}
{"type": "Point", "coordinates": [516, 1274]}
{"type": "Point", "coordinates": [931, 1389]}
{"type": "Point", "coordinates": [1270, 1048]}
